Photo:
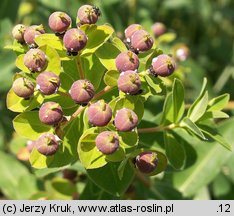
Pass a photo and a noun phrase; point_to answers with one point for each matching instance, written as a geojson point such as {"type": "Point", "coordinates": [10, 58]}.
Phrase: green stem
{"type": "Point", "coordinates": [79, 67]}
{"type": "Point", "coordinates": [76, 113]}
{"type": "Point", "coordinates": [28, 76]}
{"type": "Point", "coordinates": [63, 94]}
{"type": "Point", "coordinates": [103, 91]}
{"type": "Point", "coordinates": [156, 129]}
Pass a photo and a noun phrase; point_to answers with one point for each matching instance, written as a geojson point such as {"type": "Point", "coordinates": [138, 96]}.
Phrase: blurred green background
{"type": "Point", "coordinates": [206, 26]}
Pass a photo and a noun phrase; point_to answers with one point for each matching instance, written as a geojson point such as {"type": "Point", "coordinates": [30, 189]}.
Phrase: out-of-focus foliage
{"type": "Point", "coordinates": [206, 26]}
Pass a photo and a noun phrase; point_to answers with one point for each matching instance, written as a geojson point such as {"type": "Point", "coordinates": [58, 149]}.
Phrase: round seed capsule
{"type": "Point", "coordinates": [48, 83]}
{"type": "Point", "coordinates": [35, 60]}
{"type": "Point", "coordinates": [147, 162]}
{"type": "Point", "coordinates": [88, 14]}
{"type": "Point", "coordinates": [74, 40]}
{"type": "Point", "coordinates": [125, 120]}
{"type": "Point", "coordinates": [50, 113]}
{"type": "Point", "coordinates": [23, 87]}
{"type": "Point", "coordinates": [129, 82]}
{"type": "Point", "coordinates": [141, 41]}
{"type": "Point", "coordinates": [99, 113]}
{"type": "Point", "coordinates": [107, 142]}
{"type": "Point", "coordinates": [47, 144]}
{"type": "Point", "coordinates": [18, 32]}
{"type": "Point", "coordinates": [163, 65]}
{"type": "Point", "coordinates": [82, 91]}
{"type": "Point", "coordinates": [127, 61]}
{"type": "Point", "coordinates": [59, 22]}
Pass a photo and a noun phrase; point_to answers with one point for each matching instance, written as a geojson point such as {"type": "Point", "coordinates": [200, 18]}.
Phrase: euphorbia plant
{"type": "Point", "coordinates": [81, 91]}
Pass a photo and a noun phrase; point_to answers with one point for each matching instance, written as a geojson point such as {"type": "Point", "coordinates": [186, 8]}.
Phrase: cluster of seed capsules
{"type": "Point", "coordinates": [82, 91]}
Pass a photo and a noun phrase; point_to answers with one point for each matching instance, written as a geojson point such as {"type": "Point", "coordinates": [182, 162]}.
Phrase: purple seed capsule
{"type": "Point", "coordinates": [23, 87]}
{"type": "Point", "coordinates": [47, 144]}
{"type": "Point", "coordinates": [31, 33]}
{"type": "Point", "coordinates": [141, 41]}
{"type": "Point", "coordinates": [82, 91]}
{"type": "Point", "coordinates": [147, 162]}
{"type": "Point", "coordinates": [107, 142]}
{"type": "Point", "coordinates": [35, 60]}
{"type": "Point", "coordinates": [129, 82]}
{"type": "Point", "coordinates": [88, 14]}
{"type": "Point", "coordinates": [48, 83]}
{"type": "Point", "coordinates": [127, 61]}
{"type": "Point", "coordinates": [182, 53]}
{"type": "Point", "coordinates": [99, 113]}
{"type": "Point", "coordinates": [50, 113]}
{"type": "Point", "coordinates": [74, 40]}
{"type": "Point", "coordinates": [130, 30]}
{"type": "Point", "coordinates": [125, 120]}
{"type": "Point", "coordinates": [18, 32]}
{"type": "Point", "coordinates": [59, 22]}
{"type": "Point", "coordinates": [158, 29]}
{"type": "Point", "coordinates": [163, 65]}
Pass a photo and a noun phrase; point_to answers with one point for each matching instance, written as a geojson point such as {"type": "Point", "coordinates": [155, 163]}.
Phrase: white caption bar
{"type": "Point", "coordinates": [117, 208]}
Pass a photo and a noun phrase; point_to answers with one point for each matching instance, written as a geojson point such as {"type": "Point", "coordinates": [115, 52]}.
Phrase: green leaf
{"type": "Point", "coordinates": [178, 99]}
{"type": "Point", "coordinates": [147, 90]}
{"type": "Point", "coordinates": [168, 112]}
{"type": "Point", "coordinates": [17, 47]}
{"type": "Point", "coordinates": [128, 139]}
{"type": "Point", "coordinates": [18, 104]}
{"type": "Point", "coordinates": [111, 77]}
{"type": "Point", "coordinates": [90, 156]}
{"type": "Point", "coordinates": [60, 189]}
{"type": "Point", "coordinates": [16, 182]}
{"type": "Point", "coordinates": [28, 125]}
{"type": "Point", "coordinates": [147, 57]}
{"type": "Point", "coordinates": [174, 150]}
{"type": "Point", "coordinates": [122, 166]}
{"type": "Point", "coordinates": [70, 68]}
{"type": "Point", "coordinates": [53, 59]}
{"type": "Point", "coordinates": [20, 63]}
{"type": "Point", "coordinates": [213, 115]}
{"type": "Point", "coordinates": [38, 160]}
{"type": "Point", "coordinates": [155, 84]}
{"type": "Point", "coordinates": [93, 69]}
{"type": "Point", "coordinates": [209, 158]}
{"type": "Point", "coordinates": [218, 103]}
{"type": "Point", "coordinates": [191, 126]}
{"type": "Point", "coordinates": [97, 36]}
{"type": "Point", "coordinates": [212, 133]}
{"type": "Point", "coordinates": [117, 42]}
{"type": "Point", "coordinates": [107, 54]}
{"type": "Point", "coordinates": [107, 178]}
{"type": "Point", "coordinates": [128, 101]}
{"type": "Point", "coordinates": [219, 114]}
{"type": "Point", "coordinates": [198, 108]}
{"type": "Point", "coordinates": [167, 37]}
{"type": "Point", "coordinates": [50, 39]}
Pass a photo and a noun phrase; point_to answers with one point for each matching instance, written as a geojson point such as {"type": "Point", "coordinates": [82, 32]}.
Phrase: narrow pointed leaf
{"type": "Point", "coordinates": [191, 126]}
{"type": "Point", "coordinates": [178, 99]}
{"type": "Point", "coordinates": [174, 150]}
